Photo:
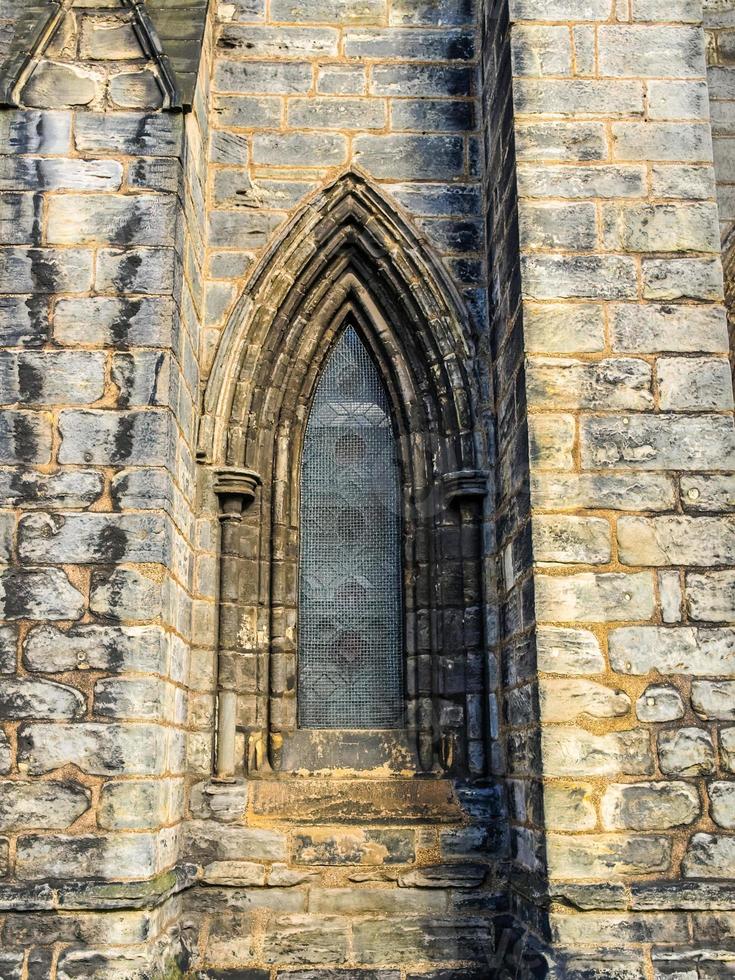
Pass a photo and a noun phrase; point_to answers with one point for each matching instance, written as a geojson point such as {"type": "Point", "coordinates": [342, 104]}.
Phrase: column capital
{"type": "Point", "coordinates": [464, 485]}
{"type": "Point", "coordinates": [235, 487]}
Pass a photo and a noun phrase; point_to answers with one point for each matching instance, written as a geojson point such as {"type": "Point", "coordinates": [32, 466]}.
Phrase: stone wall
{"type": "Point", "coordinates": [553, 155]}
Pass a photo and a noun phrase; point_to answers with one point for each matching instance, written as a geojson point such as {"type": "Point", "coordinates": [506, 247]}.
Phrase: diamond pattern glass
{"type": "Point", "coordinates": [350, 594]}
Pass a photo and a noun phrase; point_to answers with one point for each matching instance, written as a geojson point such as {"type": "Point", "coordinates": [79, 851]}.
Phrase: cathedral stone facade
{"type": "Point", "coordinates": [366, 489]}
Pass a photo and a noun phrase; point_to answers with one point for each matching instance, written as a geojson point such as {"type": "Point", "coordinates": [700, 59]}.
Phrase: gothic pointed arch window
{"type": "Point", "coordinates": [343, 418]}
{"type": "Point", "coordinates": [350, 649]}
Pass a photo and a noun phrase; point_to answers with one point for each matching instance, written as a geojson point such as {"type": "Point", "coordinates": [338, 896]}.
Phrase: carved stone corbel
{"type": "Point", "coordinates": [463, 486]}
{"type": "Point", "coordinates": [235, 488]}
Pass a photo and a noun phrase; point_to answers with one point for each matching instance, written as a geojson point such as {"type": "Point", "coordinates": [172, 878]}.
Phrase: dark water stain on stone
{"type": "Point", "coordinates": [37, 306]}
{"type": "Point", "coordinates": [124, 377]}
{"type": "Point", "coordinates": [115, 660]}
{"type": "Point", "coordinates": [124, 439]}
{"type": "Point", "coordinates": [25, 440]}
{"type": "Point", "coordinates": [153, 397]}
{"type": "Point", "coordinates": [120, 326]}
{"type": "Point", "coordinates": [19, 594]}
{"type": "Point", "coordinates": [118, 492]}
{"type": "Point", "coordinates": [460, 48]}
{"type": "Point", "coordinates": [127, 272]}
{"type": "Point", "coordinates": [141, 133]}
{"type": "Point", "coordinates": [111, 544]}
{"type": "Point", "coordinates": [37, 226]}
{"type": "Point", "coordinates": [24, 487]}
{"type": "Point", "coordinates": [129, 228]}
{"type": "Point", "coordinates": [43, 271]}
{"type": "Point", "coordinates": [30, 381]}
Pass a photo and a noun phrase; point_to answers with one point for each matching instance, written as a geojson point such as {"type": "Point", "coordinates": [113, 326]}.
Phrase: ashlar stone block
{"type": "Point", "coordinates": [99, 749]}
{"type": "Point", "coordinates": [115, 322]}
{"type": "Point", "coordinates": [67, 856]}
{"type": "Point", "coordinates": [93, 538]}
{"type": "Point", "coordinates": [694, 384]}
{"type": "Point", "coordinates": [541, 50]}
{"type": "Point", "coordinates": [662, 141]}
{"type": "Point", "coordinates": [609, 491]}
{"type": "Point", "coordinates": [590, 597]}
{"type": "Point", "coordinates": [580, 97]}
{"type": "Point", "coordinates": [661, 227]}
{"type": "Point", "coordinates": [380, 941]}
{"type": "Point", "coordinates": [697, 541]}
{"type": "Point", "coordinates": [126, 594]}
{"type": "Point", "coordinates": [209, 841]}
{"type": "Point", "coordinates": [269, 42]}
{"type": "Point", "coordinates": [686, 752]}
{"type": "Point", "coordinates": [659, 702]}
{"type": "Point", "coordinates": [722, 804]}
{"type": "Point", "coordinates": [136, 90]}
{"type": "Point", "coordinates": [26, 805]}
{"type": "Point", "coordinates": [328, 11]}
{"type": "Point", "coordinates": [139, 804]}
{"type": "Point", "coordinates": [557, 140]}
{"type": "Point", "coordinates": [263, 77]}
{"type": "Point", "coordinates": [650, 51]}
{"type": "Point", "coordinates": [41, 271]}
{"type": "Point", "coordinates": [714, 700]}
{"type": "Point", "coordinates": [153, 134]}
{"type": "Point", "coordinates": [649, 442]}
{"type": "Point", "coordinates": [54, 85]}
{"type": "Point", "coordinates": [574, 752]}
{"type": "Point", "coordinates": [23, 697]}
{"type": "Point", "coordinates": [669, 99]}
{"type": "Point", "coordinates": [406, 157]}
{"type": "Point", "coordinates": [561, 650]}
{"type": "Point", "coordinates": [615, 928]}
{"type": "Point", "coordinates": [622, 181]}
{"type": "Point", "coordinates": [141, 699]}
{"type": "Point", "coordinates": [570, 808]}
{"type": "Point", "coordinates": [710, 596]}
{"type": "Point", "coordinates": [682, 279]}
{"type": "Point", "coordinates": [727, 748]}
{"type": "Point", "coordinates": [600, 855]}
{"type": "Point", "coordinates": [556, 383]}
{"type": "Point", "coordinates": [59, 174]}
{"type": "Point", "coordinates": [430, 13]}
{"type": "Point", "coordinates": [708, 492]}
{"type": "Point", "coordinates": [650, 806]}
{"type": "Point", "coordinates": [133, 219]}
{"type": "Point", "coordinates": [564, 700]}
{"type": "Point", "coordinates": [35, 131]}
{"type": "Point", "coordinates": [710, 856]}
{"type": "Point", "coordinates": [41, 594]}
{"type": "Point", "coordinates": [573, 540]}
{"type": "Point", "coordinates": [354, 846]}
{"type": "Point", "coordinates": [556, 10]}
{"type": "Point", "coordinates": [109, 437]}
{"type": "Point", "coordinates": [412, 44]}
{"type": "Point", "coordinates": [601, 277]}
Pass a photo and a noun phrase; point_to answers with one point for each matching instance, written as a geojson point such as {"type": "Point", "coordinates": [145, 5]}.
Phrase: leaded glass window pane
{"type": "Point", "coordinates": [350, 608]}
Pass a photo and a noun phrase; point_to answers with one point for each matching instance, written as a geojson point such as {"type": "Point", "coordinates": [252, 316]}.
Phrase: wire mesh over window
{"type": "Point", "coordinates": [350, 609]}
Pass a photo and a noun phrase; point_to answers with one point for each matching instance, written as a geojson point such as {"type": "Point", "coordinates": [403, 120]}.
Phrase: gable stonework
{"type": "Point", "coordinates": [516, 204]}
